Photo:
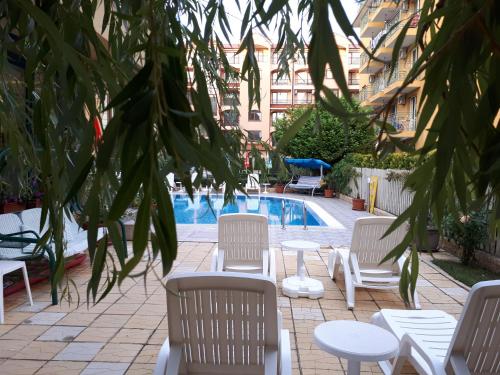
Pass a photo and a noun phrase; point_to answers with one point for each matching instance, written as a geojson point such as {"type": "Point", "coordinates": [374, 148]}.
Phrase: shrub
{"type": "Point", "coordinates": [400, 160]}
{"type": "Point", "coordinates": [470, 232]}
{"type": "Point", "coordinates": [342, 173]}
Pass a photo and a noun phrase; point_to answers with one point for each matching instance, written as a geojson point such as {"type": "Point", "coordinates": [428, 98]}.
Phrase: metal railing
{"type": "Point", "coordinates": [280, 101]}
{"type": "Point", "coordinates": [353, 81]}
{"type": "Point", "coordinates": [302, 81]}
{"type": "Point", "coordinates": [365, 93]}
{"type": "Point", "coordinates": [363, 58]}
{"type": "Point", "coordinates": [402, 121]}
{"type": "Point", "coordinates": [304, 101]}
{"type": "Point", "coordinates": [399, 21]}
{"type": "Point", "coordinates": [280, 82]}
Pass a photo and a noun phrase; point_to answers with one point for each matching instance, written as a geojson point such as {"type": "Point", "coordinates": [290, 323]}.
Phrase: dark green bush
{"type": "Point", "coordinates": [470, 232]}
{"type": "Point", "coordinates": [400, 160]}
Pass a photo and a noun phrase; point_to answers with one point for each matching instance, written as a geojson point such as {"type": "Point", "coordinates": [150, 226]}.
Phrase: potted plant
{"type": "Point", "coordinates": [27, 191]}
{"type": "Point", "coordinates": [358, 203]}
{"type": "Point", "coordinates": [431, 242]}
{"type": "Point", "coordinates": [281, 179]}
{"type": "Point", "coordinates": [9, 203]}
{"type": "Point", "coordinates": [329, 185]}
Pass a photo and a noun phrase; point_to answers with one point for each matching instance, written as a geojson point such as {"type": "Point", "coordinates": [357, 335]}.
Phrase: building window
{"type": "Point", "coordinates": [254, 135]}
{"type": "Point", "coordinates": [276, 57]}
{"type": "Point", "coordinates": [231, 99]}
{"type": "Point", "coordinates": [231, 118]}
{"type": "Point", "coordinates": [233, 58]}
{"type": "Point", "coordinates": [303, 78]}
{"type": "Point", "coordinates": [260, 55]}
{"type": "Point", "coordinates": [413, 113]}
{"type": "Point", "coordinates": [255, 115]}
{"type": "Point", "coordinates": [276, 80]}
{"type": "Point", "coordinates": [280, 97]}
{"type": "Point", "coordinates": [275, 116]}
{"type": "Point", "coordinates": [353, 78]}
{"type": "Point", "coordinates": [353, 58]}
{"type": "Point", "coordinates": [299, 59]}
{"type": "Point", "coordinates": [304, 97]}
{"type": "Point", "coordinates": [414, 56]}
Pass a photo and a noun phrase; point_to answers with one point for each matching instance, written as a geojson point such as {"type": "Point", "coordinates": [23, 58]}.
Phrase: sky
{"type": "Point", "coordinates": [235, 17]}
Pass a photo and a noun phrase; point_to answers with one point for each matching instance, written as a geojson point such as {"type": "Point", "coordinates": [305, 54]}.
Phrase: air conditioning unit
{"type": "Point", "coordinates": [402, 99]}
{"type": "Point", "coordinates": [402, 54]}
{"type": "Point", "coordinates": [371, 78]}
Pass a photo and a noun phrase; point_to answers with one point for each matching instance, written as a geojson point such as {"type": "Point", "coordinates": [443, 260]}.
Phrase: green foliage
{"type": "Point", "coordinates": [470, 232]}
{"type": "Point", "coordinates": [342, 173]}
{"type": "Point", "coordinates": [399, 160]}
{"type": "Point", "coordinates": [329, 180]}
{"type": "Point", "coordinates": [325, 136]}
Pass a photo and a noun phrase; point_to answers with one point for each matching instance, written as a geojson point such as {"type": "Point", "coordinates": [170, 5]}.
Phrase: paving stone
{"type": "Point", "coordinates": [79, 351]}
{"type": "Point", "coordinates": [114, 352]}
{"type": "Point", "coordinates": [108, 368]}
{"type": "Point", "coordinates": [20, 367]}
{"type": "Point", "coordinates": [36, 307]}
{"type": "Point", "coordinates": [61, 333]}
{"type": "Point", "coordinates": [62, 368]}
{"type": "Point", "coordinates": [47, 318]}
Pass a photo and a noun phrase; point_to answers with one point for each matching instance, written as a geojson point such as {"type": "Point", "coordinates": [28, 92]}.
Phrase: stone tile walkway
{"type": "Point", "coordinates": [123, 333]}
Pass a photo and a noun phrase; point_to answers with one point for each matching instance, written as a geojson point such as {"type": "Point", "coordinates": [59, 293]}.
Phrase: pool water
{"type": "Point", "coordinates": [201, 211]}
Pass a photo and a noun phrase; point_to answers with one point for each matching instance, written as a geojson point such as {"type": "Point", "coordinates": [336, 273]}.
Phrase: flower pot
{"type": "Point", "coordinates": [9, 207]}
{"type": "Point", "coordinates": [358, 204]}
{"type": "Point", "coordinates": [279, 188]}
{"type": "Point", "coordinates": [32, 203]}
{"type": "Point", "coordinates": [329, 193]}
{"type": "Point", "coordinates": [432, 241]}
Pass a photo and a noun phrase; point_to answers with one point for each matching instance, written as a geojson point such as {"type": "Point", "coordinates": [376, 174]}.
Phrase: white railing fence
{"type": "Point", "coordinates": [390, 194]}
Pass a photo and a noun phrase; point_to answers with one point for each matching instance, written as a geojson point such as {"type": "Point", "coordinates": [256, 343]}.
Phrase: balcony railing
{"type": "Point", "coordinates": [304, 101]}
{"type": "Point", "coordinates": [353, 81]}
{"type": "Point", "coordinates": [281, 82]}
{"type": "Point", "coordinates": [354, 60]}
{"type": "Point", "coordinates": [399, 21]}
{"type": "Point", "coordinates": [403, 121]}
{"type": "Point", "coordinates": [366, 18]}
{"type": "Point", "coordinates": [302, 81]}
{"type": "Point", "coordinates": [365, 93]}
{"type": "Point", "coordinates": [280, 101]}
{"type": "Point", "coordinates": [397, 75]}
{"type": "Point", "coordinates": [363, 57]}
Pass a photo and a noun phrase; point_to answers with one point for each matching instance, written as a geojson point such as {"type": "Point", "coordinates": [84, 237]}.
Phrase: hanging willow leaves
{"type": "Point", "coordinates": [69, 74]}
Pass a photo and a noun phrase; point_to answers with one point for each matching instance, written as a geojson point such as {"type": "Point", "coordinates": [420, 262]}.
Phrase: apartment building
{"type": "Point", "coordinates": [375, 19]}
{"type": "Point", "coordinates": [278, 94]}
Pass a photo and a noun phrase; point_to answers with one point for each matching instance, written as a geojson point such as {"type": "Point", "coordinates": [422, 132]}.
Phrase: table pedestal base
{"type": "Point", "coordinates": [296, 286]}
{"type": "Point", "coordinates": [353, 367]}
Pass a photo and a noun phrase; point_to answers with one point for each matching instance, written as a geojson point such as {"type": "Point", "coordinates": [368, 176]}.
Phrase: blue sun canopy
{"type": "Point", "coordinates": [308, 163]}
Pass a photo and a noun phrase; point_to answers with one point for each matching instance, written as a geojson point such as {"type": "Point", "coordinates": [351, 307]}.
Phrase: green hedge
{"type": "Point", "coordinates": [400, 160]}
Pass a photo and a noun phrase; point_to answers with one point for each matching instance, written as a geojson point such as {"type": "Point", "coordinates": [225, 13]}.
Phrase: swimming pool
{"type": "Point", "coordinates": [201, 211]}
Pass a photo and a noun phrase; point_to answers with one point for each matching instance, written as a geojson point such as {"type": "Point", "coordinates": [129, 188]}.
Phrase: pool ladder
{"type": "Point", "coordinates": [283, 214]}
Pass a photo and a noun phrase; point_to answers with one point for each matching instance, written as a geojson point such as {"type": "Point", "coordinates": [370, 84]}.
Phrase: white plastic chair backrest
{"type": "Point", "coordinates": [253, 181]}
{"type": "Point", "coordinates": [309, 180]}
{"type": "Point", "coordinates": [171, 180]}
{"type": "Point", "coordinates": [222, 319]}
{"type": "Point", "coordinates": [193, 177]}
{"type": "Point", "coordinates": [31, 219]}
{"type": "Point", "coordinates": [369, 246]}
{"type": "Point", "coordinates": [477, 335]}
{"type": "Point", "coordinates": [10, 223]}
{"type": "Point", "coordinates": [243, 237]}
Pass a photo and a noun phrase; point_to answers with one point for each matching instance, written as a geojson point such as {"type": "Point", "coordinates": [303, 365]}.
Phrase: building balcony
{"type": "Point", "coordinates": [383, 10]}
{"type": "Point", "coordinates": [303, 82]}
{"type": "Point", "coordinates": [403, 122]}
{"type": "Point", "coordinates": [364, 94]}
{"type": "Point", "coordinates": [368, 27]}
{"type": "Point", "coordinates": [395, 81]}
{"type": "Point", "coordinates": [396, 24]}
{"type": "Point", "coordinates": [303, 101]}
{"type": "Point", "coordinates": [281, 82]}
{"type": "Point", "coordinates": [368, 66]}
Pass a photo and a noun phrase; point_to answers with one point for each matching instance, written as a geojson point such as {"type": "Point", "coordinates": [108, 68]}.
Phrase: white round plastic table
{"type": "Point", "coordinates": [356, 341]}
{"type": "Point", "coordinates": [300, 285]}
{"type": "Point", "coordinates": [265, 187]}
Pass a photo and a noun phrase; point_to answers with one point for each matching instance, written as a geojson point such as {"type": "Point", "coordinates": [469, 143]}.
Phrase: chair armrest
{"type": "Point", "coordinates": [285, 353]}
{"type": "Point", "coordinates": [272, 264]}
{"type": "Point", "coordinates": [411, 342]}
{"type": "Point", "coordinates": [161, 362]}
{"type": "Point", "coordinates": [270, 361]}
{"type": "Point", "coordinates": [215, 256]}
{"type": "Point", "coordinates": [11, 236]}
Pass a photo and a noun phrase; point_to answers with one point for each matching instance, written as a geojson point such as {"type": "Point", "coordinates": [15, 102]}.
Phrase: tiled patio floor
{"type": "Point", "coordinates": [123, 333]}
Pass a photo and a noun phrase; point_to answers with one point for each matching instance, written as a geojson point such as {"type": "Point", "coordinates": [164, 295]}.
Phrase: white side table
{"type": "Point", "coordinates": [8, 266]}
{"type": "Point", "coordinates": [266, 184]}
{"type": "Point", "coordinates": [356, 342]}
{"type": "Point", "coordinates": [300, 285]}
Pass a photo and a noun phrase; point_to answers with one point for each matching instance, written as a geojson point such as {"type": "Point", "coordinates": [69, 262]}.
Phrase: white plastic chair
{"type": "Point", "coordinates": [171, 181]}
{"type": "Point", "coordinates": [360, 263]}
{"type": "Point", "coordinates": [223, 323]}
{"type": "Point", "coordinates": [435, 343]}
{"type": "Point", "coordinates": [8, 266]}
{"type": "Point", "coordinates": [253, 182]}
{"type": "Point", "coordinates": [244, 245]}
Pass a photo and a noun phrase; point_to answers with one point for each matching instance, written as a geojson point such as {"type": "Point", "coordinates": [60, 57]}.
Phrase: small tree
{"type": "Point", "coordinates": [325, 136]}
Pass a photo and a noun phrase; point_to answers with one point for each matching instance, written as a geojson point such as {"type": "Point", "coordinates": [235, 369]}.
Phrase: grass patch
{"type": "Point", "coordinates": [469, 275]}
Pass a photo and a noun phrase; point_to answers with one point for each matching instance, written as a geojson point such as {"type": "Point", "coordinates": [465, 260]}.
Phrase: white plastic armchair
{"type": "Point", "coordinates": [223, 323]}
{"type": "Point", "coordinates": [360, 263]}
{"type": "Point", "coordinates": [244, 245]}
{"type": "Point", "coordinates": [253, 182]}
{"type": "Point", "coordinates": [435, 343]}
